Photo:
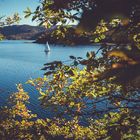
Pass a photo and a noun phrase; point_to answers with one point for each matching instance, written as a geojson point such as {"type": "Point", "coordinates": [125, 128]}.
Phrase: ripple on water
{"type": "Point", "coordinates": [20, 61]}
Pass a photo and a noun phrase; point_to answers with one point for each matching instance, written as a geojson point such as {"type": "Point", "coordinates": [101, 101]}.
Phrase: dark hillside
{"type": "Point", "coordinates": [18, 32]}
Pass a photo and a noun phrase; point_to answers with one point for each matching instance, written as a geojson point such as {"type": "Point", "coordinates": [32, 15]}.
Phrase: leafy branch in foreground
{"type": "Point", "coordinates": [101, 100]}
{"type": "Point", "coordinates": [98, 101]}
{"type": "Point", "coordinates": [9, 20]}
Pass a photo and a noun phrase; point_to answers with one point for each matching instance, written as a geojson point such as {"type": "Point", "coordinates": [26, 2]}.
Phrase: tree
{"type": "Point", "coordinates": [100, 101]}
{"type": "Point", "coordinates": [54, 11]}
{"type": "Point", "coordinates": [9, 20]}
{"type": "Point", "coordinates": [93, 103]}
{"type": "Point", "coordinates": [106, 81]}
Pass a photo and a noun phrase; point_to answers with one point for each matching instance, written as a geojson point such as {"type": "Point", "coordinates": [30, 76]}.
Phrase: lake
{"type": "Point", "coordinates": [22, 60]}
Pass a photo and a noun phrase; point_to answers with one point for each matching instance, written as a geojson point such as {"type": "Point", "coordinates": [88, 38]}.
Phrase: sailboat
{"type": "Point", "coordinates": [47, 47]}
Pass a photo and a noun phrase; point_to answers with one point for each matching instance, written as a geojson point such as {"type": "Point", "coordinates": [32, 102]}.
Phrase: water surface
{"type": "Point", "coordinates": [22, 60]}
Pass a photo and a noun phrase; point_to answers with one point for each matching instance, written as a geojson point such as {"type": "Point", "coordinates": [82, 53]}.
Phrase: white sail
{"type": "Point", "coordinates": [47, 47]}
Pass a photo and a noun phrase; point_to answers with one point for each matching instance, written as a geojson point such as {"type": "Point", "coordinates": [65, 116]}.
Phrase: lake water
{"type": "Point", "coordinates": [22, 60]}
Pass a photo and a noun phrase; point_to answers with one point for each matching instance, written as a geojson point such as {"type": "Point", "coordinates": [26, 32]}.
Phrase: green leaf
{"type": "Point", "coordinates": [96, 40]}
{"type": "Point", "coordinates": [27, 15]}
{"type": "Point", "coordinates": [72, 57]}
{"type": "Point", "coordinates": [75, 63]}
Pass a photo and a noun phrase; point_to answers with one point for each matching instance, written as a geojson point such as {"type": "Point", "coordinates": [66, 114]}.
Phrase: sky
{"type": "Point", "coordinates": [9, 7]}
